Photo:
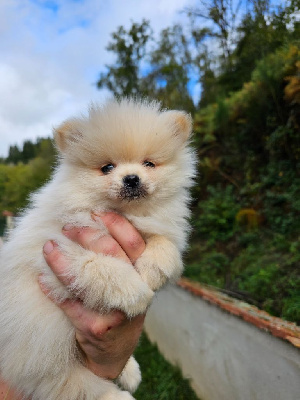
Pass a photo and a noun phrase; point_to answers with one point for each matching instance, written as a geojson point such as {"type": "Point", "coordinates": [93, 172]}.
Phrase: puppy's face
{"type": "Point", "coordinates": [129, 181]}
{"type": "Point", "coordinates": [127, 153]}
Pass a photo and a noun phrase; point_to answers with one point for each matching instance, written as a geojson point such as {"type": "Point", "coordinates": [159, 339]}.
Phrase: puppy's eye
{"type": "Point", "coordinates": [150, 164]}
{"type": "Point", "coordinates": [106, 169]}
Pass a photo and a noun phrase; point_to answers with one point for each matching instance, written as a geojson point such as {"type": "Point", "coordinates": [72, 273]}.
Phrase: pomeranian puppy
{"type": "Point", "coordinates": [129, 157]}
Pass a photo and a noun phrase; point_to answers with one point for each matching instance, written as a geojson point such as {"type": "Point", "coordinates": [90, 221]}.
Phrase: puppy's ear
{"type": "Point", "coordinates": [67, 134]}
{"type": "Point", "coordinates": [181, 124]}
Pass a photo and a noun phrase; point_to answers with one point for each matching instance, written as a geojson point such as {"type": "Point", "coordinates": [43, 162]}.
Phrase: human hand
{"type": "Point", "coordinates": [106, 341]}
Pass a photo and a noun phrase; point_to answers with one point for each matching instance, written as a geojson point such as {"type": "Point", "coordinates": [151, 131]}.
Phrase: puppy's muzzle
{"type": "Point", "coordinates": [132, 188]}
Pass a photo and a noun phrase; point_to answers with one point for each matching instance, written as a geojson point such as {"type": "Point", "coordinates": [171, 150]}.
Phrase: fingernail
{"type": "Point", "coordinates": [48, 247]}
{"type": "Point", "coordinates": [68, 227]}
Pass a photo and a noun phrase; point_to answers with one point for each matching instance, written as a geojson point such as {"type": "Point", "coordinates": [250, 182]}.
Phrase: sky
{"type": "Point", "coordinates": [52, 52]}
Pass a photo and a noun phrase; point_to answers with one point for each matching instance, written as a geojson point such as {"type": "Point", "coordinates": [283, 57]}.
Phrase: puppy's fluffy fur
{"type": "Point", "coordinates": [148, 169]}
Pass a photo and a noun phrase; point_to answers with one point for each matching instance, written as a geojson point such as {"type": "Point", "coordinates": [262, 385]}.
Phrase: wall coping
{"type": "Point", "coordinates": [285, 330]}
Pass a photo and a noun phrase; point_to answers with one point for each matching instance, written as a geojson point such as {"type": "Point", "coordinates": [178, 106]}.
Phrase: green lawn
{"type": "Point", "coordinates": [161, 381]}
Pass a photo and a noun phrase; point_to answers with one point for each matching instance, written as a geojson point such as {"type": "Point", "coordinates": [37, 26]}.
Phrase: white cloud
{"type": "Point", "coordinates": [51, 54]}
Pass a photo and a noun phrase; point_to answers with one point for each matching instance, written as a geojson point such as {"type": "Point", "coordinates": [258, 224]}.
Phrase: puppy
{"type": "Point", "coordinates": [129, 157]}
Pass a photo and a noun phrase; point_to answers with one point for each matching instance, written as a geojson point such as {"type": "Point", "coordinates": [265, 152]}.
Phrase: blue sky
{"type": "Point", "coordinates": [52, 52]}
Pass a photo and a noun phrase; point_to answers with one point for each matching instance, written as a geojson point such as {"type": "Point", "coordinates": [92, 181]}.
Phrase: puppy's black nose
{"type": "Point", "coordinates": [131, 181]}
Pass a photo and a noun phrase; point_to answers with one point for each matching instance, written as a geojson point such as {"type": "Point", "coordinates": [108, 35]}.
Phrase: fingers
{"type": "Point", "coordinates": [90, 239]}
{"type": "Point", "coordinates": [124, 233]}
{"type": "Point", "coordinates": [125, 241]}
{"type": "Point", "coordinates": [57, 262]}
{"type": "Point", "coordinates": [88, 322]}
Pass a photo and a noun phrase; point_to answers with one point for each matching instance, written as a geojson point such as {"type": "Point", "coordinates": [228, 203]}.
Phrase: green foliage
{"type": "Point", "coordinates": [216, 216]}
{"type": "Point", "coordinates": [14, 155]}
{"type": "Point", "coordinates": [160, 380]}
{"type": "Point", "coordinates": [247, 218]}
{"type": "Point", "coordinates": [17, 186]}
{"type": "Point", "coordinates": [210, 269]}
{"type": "Point", "coordinates": [123, 78]}
{"type": "Point", "coordinates": [245, 32]}
{"type": "Point", "coordinates": [30, 150]}
{"type": "Point", "coordinates": [18, 181]}
{"type": "Point", "coordinates": [256, 264]}
{"type": "Point", "coordinates": [269, 272]}
{"type": "Point", "coordinates": [166, 76]}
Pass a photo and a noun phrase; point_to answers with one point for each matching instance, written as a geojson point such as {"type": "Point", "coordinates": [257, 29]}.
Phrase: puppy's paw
{"type": "Point", "coordinates": [106, 283]}
{"type": "Point", "coordinates": [130, 377]}
{"type": "Point", "coordinates": [151, 273]}
{"type": "Point", "coordinates": [161, 261]}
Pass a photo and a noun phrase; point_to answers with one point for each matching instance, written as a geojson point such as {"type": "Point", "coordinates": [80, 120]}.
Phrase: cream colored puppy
{"type": "Point", "coordinates": [129, 157]}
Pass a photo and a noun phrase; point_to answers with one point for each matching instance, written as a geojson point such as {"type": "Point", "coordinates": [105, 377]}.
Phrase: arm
{"type": "Point", "coordinates": [106, 341]}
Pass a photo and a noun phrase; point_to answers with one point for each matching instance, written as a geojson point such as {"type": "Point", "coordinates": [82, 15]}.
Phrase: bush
{"type": "Point", "coordinates": [216, 215]}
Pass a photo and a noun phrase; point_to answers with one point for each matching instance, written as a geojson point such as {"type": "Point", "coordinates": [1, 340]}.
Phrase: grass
{"type": "Point", "coordinates": [161, 380]}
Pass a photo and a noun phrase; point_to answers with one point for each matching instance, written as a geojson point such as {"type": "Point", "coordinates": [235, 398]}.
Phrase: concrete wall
{"type": "Point", "coordinates": [225, 357]}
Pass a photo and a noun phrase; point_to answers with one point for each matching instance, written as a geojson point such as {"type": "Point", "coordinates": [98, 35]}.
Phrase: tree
{"type": "Point", "coordinates": [213, 34]}
{"type": "Point", "coordinates": [45, 150]}
{"type": "Point", "coordinates": [129, 46]}
{"type": "Point", "coordinates": [261, 32]}
{"type": "Point", "coordinates": [29, 151]}
{"type": "Point", "coordinates": [170, 70]}
{"type": "Point", "coordinates": [14, 155]}
{"type": "Point", "coordinates": [161, 73]}
{"type": "Point", "coordinates": [220, 18]}
{"type": "Point", "coordinates": [241, 32]}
